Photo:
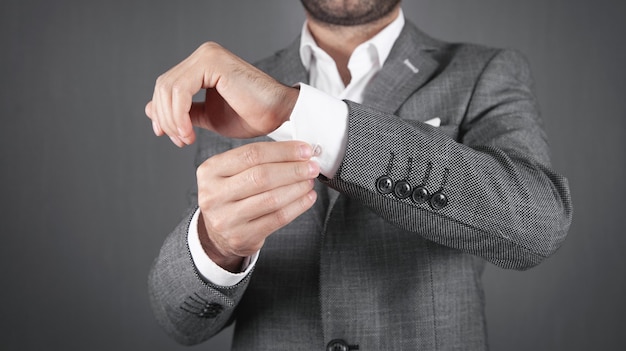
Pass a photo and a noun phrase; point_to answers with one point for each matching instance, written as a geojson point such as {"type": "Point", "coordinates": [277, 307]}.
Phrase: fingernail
{"type": "Point", "coordinates": [176, 141]}
{"type": "Point", "coordinates": [314, 169]}
{"type": "Point", "coordinates": [305, 151]}
{"type": "Point", "coordinates": [312, 195]}
{"type": "Point", "coordinates": [155, 128]}
{"type": "Point", "coordinates": [181, 135]}
{"type": "Point", "coordinates": [180, 132]}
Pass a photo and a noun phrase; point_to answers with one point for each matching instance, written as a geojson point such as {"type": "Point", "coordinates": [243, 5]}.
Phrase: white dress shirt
{"type": "Point", "coordinates": [320, 117]}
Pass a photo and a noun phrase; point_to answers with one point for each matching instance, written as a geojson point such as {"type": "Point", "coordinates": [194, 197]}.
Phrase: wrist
{"type": "Point", "coordinates": [231, 263]}
{"type": "Point", "coordinates": [287, 103]}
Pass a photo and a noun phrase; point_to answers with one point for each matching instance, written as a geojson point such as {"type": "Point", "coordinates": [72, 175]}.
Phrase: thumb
{"type": "Point", "coordinates": [215, 114]}
{"type": "Point", "coordinates": [199, 116]}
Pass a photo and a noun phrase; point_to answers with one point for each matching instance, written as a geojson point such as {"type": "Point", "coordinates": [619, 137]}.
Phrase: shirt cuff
{"type": "Point", "coordinates": [208, 269]}
{"type": "Point", "coordinates": [322, 121]}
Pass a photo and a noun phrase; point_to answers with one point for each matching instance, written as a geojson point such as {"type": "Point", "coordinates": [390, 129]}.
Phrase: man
{"type": "Point", "coordinates": [429, 159]}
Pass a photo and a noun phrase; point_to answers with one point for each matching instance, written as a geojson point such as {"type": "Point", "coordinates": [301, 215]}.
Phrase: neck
{"type": "Point", "coordinates": [340, 41]}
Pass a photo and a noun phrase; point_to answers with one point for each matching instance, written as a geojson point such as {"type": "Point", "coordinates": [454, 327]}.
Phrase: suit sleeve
{"type": "Point", "coordinates": [189, 308]}
{"type": "Point", "coordinates": [491, 192]}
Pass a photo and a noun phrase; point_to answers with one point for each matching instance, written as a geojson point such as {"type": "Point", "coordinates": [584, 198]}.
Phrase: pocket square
{"type": "Point", "coordinates": [435, 122]}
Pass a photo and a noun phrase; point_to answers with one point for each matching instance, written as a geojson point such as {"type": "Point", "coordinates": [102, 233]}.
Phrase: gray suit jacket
{"type": "Point", "coordinates": [391, 255]}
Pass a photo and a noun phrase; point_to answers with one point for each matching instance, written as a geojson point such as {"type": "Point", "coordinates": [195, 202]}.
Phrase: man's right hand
{"type": "Point", "coordinates": [247, 193]}
{"type": "Point", "coordinates": [240, 100]}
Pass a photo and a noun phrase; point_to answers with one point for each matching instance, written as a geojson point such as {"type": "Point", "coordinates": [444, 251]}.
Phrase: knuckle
{"type": "Point", "coordinates": [177, 88]}
{"type": "Point", "coordinates": [205, 198]}
{"type": "Point", "coordinates": [251, 155]}
{"type": "Point", "coordinates": [201, 171]}
{"type": "Point", "coordinates": [301, 169]}
{"type": "Point", "coordinates": [305, 170]}
{"type": "Point", "coordinates": [217, 224]}
{"type": "Point", "coordinates": [159, 80]}
{"type": "Point", "coordinates": [210, 163]}
{"type": "Point", "coordinates": [257, 178]}
{"type": "Point", "coordinates": [270, 201]}
{"type": "Point", "coordinates": [162, 83]}
{"type": "Point", "coordinates": [148, 110]}
{"type": "Point", "coordinates": [304, 187]}
{"type": "Point", "coordinates": [203, 179]}
{"type": "Point", "coordinates": [253, 247]}
{"type": "Point", "coordinates": [237, 243]}
{"type": "Point", "coordinates": [281, 218]}
{"type": "Point", "coordinates": [207, 169]}
{"type": "Point", "coordinates": [209, 47]}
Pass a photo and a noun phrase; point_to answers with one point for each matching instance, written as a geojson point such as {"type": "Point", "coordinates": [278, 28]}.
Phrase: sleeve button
{"type": "Point", "coordinates": [402, 190]}
{"type": "Point", "coordinates": [438, 201]}
{"type": "Point", "coordinates": [420, 195]}
{"type": "Point", "coordinates": [384, 185]}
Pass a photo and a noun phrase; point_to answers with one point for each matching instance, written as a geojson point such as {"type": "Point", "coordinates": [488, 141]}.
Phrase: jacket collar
{"type": "Point", "coordinates": [409, 66]}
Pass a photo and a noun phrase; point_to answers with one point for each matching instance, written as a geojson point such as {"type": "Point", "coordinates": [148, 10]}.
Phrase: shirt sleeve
{"type": "Point", "coordinates": [208, 269]}
{"type": "Point", "coordinates": [320, 120]}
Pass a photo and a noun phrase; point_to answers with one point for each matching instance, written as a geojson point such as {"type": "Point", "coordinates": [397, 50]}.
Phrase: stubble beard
{"type": "Point", "coordinates": [348, 12]}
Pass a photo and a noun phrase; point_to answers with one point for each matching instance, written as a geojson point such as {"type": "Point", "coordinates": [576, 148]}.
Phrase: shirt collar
{"type": "Point", "coordinates": [382, 42]}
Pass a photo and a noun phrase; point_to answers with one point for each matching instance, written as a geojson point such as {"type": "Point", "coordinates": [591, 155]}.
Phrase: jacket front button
{"type": "Point", "coordinates": [384, 185]}
{"type": "Point", "coordinates": [337, 345]}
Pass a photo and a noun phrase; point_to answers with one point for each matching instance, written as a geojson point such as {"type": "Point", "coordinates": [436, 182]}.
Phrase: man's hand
{"type": "Point", "coordinates": [246, 194]}
{"type": "Point", "coordinates": [240, 102]}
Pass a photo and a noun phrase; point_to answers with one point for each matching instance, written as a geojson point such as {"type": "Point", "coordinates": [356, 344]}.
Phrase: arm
{"type": "Point", "coordinates": [504, 203]}
{"type": "Point", "coordinates": [244, 195]}
{"type": "Point", "coordinates": [500, 200]}
{"type": "Point", "coordinates": [187, 307]}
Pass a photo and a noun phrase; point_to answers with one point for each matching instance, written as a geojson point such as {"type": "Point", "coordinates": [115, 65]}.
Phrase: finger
{"type": "Point", "coordinates": [252, 234]}
{"type": "Point", "coordinates": [268, 176]}
{"type": "Point", "coordinates": [205, 114]}
{"type": "Point", "coordinates": [171, 102]}
{"type": "Point", "coordinates": [163, 110]}
{"type": "Point", "coordinates": [273, 221]}
{"type": "Point", "coordinates": [262, 204]}
{"type": "Point", "coordinates": [181, 106]}
{"type": "Point", "coordinates": [182, 82]}
{"type": "Point", "coordinates": [237, 160]}
{"type": "Point", "coordinates": [198, 115]}
{"type": "Point", "coordinates": [156, 129]}
{"type": "Point", "coordinates": [148, 109]}
{"type": "Point", "coordinates": [155, 124]}
{"type": "Point", "coordinates": [224, 217]}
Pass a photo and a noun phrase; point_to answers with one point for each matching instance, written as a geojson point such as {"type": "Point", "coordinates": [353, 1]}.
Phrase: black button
{"type": "Point", "coordinates": [200, 307]}
{"type": "Point", "coordinates": [211, 310]}
{"type": "Point", "coordinates": [438, 201]}
{"type": "Point", "coordinates": [384, 185]}
{"type": "Point", "coordinates": [420, 195]}
{"type": "Point", "coordinates": [337, 345]}
{"type": "Point", "coordinates": [402, 190]}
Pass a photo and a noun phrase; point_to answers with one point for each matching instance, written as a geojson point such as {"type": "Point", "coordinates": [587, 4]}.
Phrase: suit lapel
{"type": "Point", "coordinates": [408, 67]}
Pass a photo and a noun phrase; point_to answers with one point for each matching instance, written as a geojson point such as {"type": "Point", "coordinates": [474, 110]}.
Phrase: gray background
{"type": "Point", "coordinates": [88, 193]}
